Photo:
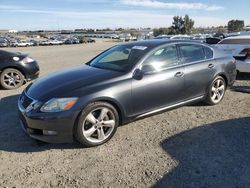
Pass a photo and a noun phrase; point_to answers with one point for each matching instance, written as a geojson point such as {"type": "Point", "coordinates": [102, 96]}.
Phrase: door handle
{"type": "Point", "coordinates": [179, 74]}
{"type": "Point", "coordinates": [211, 66]}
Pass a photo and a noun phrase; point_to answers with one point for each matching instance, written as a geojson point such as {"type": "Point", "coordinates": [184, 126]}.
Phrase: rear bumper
{"type": "Point", "coordinates": [243, 66]}
{"type": "Point", "coordinates": [48, 127]}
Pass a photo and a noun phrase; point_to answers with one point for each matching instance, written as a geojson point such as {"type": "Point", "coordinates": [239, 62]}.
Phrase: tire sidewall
{"type": "Point", "coordinates": [78, 130]}
{"type": "Point", "coordinates": [13, 70]}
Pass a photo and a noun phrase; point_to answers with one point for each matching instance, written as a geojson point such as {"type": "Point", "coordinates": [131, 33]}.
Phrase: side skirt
{"type": "Point", "coordinates": [171, 106]}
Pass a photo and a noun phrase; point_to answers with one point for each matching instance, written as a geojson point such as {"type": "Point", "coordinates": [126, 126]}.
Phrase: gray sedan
{"type": "Point", "coordinates": [122, 84]}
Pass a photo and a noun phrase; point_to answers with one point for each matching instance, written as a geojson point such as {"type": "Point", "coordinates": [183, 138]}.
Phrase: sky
{"type": "Point", "coordinates": [97, 14]}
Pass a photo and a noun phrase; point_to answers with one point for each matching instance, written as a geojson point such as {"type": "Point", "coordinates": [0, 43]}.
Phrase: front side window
{"type": "Point", "coordinates": [163, 58]}
{"type": "Point", "coordinates": [192, 52]}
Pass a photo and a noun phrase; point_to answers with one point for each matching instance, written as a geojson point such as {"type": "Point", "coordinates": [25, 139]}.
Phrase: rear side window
{"type": "Point", "coordinates": [192, 52]}
{"type": "Point", "coordinates": [235, 41]}
{"type": "Point", "coordinates": [208, 53]}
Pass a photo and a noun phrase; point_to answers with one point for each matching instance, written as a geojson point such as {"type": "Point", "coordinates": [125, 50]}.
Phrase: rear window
{"type": "Point", "coordinates": [192, 52]}
{"type": "Point", "coordinates": [235, 41]}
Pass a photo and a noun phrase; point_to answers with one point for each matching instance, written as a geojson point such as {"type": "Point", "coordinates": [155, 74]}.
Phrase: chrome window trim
{"type": "Point", "coordinates": [181, 64]}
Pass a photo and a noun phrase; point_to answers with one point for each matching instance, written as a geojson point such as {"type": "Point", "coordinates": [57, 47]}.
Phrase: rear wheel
{"type": "Point", "coordinates": [216, 91]}
{"type": "Point", "coordinates": [11, 79]}
{"type": "Point", "coordinates": [97, 124]}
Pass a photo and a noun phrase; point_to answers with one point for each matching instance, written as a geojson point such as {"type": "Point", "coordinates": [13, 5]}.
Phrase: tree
{"type": "Point", "coordinates": [161, 31]}
{"type": "Point", "coordinates": [188, 24]}
{"type": "Point", "coordinates": [178, 25]}
{"type": "Point", "coordinates": [235, 25]}
{"type": "Point", "coordinates": [182, 25]}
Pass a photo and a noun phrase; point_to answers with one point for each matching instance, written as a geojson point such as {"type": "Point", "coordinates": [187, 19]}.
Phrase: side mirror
{"type": "Point", "coordinates": [138, 74]}
{"type": "Point", "coordinates": [146, 69]}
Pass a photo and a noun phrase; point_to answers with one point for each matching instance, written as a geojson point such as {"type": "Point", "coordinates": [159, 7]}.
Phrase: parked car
{"type": "Point", "coordinates": [163, 37]}
{"type": "Point", "coordinates": [3, 42]}
{"type": "Point", "coordinates": [239, 47]}
{"type": "Point", "coordinates": [21, 43]}
{"type": "Point", "coordinates": [181, 37]}
{"type": "Point", "coordinates": [124, 83]}
{"type": "Point", "coordinates": [71, 41]}
{"type": "Point", "coordinates": [212, 40]}
{"type": "Point", "coordinates": [55, 42]}
{"type": "Point", "coordinates": [44, 43]}
{"type": "Point", "coordinates": [16, 69]}
{"type": "Point", "coordinates": [34, 42]}
{"type": "Point", "coordinates": [13, 43]}
{"type": "Point", "coordinates": [51, 42]}
{"type": "Point", "coordinates": [90, 40]}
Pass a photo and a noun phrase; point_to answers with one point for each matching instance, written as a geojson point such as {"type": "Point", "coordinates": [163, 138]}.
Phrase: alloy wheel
{"type": "Point", "coordinates": [12, 79]}
{"type": "Point", "coordinates": [98, 125]}
{"type": "Point", "coordinates": [217, 90]}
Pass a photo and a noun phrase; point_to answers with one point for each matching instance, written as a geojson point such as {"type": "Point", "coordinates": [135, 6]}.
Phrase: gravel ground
{"type": "Point", "coordinates": [193, 146]}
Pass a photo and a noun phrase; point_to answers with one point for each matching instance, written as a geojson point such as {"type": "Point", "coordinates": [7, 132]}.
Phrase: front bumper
{"type": "Point", "coordinates": [48, 127]}
{"type": "Point", "coordinates": [31, 70]}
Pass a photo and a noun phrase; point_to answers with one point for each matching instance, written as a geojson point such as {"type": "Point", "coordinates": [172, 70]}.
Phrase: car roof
{"type": "Point", "coordinates": [152, 43]}
{"type": "Point", "coordinates": [238, 37]}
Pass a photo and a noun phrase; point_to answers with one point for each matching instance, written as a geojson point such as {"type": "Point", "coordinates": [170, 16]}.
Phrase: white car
{"type": "Point", "coordinates": [181, 37]}
{"type": "Point", "coordinates": [55, 42]}
{"type": "Point", "coordinates": [21, 43]}
{"type": "Point", "coordinates": [51, 42]}
{"type": "Point", "coordinates": [239, 47]}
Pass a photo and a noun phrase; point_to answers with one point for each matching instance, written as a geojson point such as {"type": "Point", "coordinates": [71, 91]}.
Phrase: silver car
{"type": "Point", "coordinates": [239, 46]}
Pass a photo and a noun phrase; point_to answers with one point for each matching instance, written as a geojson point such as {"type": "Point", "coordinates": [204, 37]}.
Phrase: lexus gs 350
{"type": "Point", "coordinates": [124, 83]}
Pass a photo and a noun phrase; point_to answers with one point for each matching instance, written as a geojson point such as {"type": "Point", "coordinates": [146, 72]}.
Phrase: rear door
{"type": "Point", "coordinates": [199, 69]}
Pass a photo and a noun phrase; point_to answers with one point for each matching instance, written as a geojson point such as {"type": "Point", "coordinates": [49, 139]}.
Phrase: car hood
{"type": "Point", "coordinates": [60, 83]}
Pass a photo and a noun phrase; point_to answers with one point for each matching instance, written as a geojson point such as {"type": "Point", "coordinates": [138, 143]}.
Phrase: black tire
{"type": "Point", "coordinates": [79, 133]}
{"type": "Point", "coordinates": [17, 76]}
{"type": "Point", "coordinates": [211, 93]}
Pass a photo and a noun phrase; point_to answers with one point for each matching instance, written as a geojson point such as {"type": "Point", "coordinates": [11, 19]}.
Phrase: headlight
{"type": "Point", "coordinates": [58, 104]}
{"type": "Point", "coordinates": [27, 60]}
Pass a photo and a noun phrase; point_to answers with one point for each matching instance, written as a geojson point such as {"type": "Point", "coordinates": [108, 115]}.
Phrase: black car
{"type": "Point", "coordinates": [91, 40]}
{"type": "Point", "coordinates": [16, 69]}
{"type": "Point", "coordinates": [72, 41]}
{"type": "Point", "coordinates": [124, 83]}
{"type": "Point", "coordinates": [212, 40]}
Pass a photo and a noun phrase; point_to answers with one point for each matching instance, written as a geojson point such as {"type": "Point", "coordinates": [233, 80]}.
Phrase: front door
{"type": "Point", "coordinates": [162, 84]}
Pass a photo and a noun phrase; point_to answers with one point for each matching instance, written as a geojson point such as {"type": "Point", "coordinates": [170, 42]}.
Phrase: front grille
{"type": "Point", "coordinates": [25, 100]}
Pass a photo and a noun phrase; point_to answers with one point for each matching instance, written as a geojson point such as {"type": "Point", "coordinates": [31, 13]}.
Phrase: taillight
{"type": "Point", "coordinates": [246, 52]}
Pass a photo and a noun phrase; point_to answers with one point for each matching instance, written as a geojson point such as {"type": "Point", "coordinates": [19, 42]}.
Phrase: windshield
{"type": "Point", "coordinates": [119, 58]}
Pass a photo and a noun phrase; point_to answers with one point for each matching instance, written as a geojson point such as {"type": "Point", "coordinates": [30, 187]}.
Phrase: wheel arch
{"type": "Point", "coordinates": [223, 75]}
{"type": "Point", "coordinates": [110, 101]}
{"type": "Point", "coordinates": [13, 67]}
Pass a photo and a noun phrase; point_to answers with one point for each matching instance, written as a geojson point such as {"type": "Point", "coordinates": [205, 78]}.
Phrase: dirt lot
{"type": "Point", "coordinates": [193, 146]}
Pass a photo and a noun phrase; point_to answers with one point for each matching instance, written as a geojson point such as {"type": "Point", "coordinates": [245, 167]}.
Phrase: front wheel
{"type": "Point", "coordinates": [97, 124]}
{"type": "Point", "coordinates": [216, 91]}
{"type": "Point", "coordinates": [11, 79]}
